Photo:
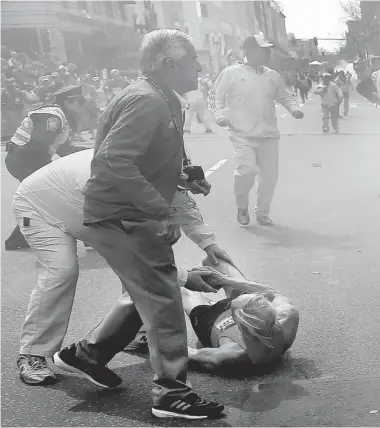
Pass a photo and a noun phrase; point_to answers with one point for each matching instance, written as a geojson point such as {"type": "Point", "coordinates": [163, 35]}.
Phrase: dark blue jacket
{"type": "Point", "coordinates": [138, 156]}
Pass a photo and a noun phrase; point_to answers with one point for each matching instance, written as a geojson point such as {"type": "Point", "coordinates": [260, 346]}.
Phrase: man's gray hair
{"type": "Point", "coordinates": [161, 44]}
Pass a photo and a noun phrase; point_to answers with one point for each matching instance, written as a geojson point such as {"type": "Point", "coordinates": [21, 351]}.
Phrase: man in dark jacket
{"type": "Point", "coordinates": [135, 172]}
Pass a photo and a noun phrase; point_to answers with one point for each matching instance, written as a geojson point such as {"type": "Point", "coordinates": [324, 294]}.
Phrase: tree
{"type": "Point", "coordinates": [351, 9]}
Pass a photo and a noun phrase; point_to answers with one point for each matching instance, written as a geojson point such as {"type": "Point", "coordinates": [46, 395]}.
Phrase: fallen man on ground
{"type": "Point", "coordinates": [253, 323]}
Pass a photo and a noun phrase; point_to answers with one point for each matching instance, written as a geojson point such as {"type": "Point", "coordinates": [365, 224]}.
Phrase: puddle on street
{"type": "Point", "coordinates": [261, 397]}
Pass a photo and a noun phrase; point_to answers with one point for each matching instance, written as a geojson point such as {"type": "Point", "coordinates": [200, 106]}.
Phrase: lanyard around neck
{"type": "Point", "coordinates": [152, 82]}
{"type": "Point", "coordinates": [186, 161]}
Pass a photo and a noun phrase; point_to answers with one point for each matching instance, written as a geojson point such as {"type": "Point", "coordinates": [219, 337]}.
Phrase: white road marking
{"type": "Point", "coordinates": [215, 167]}
{"type": "Point", "coordinates": [285, 114]}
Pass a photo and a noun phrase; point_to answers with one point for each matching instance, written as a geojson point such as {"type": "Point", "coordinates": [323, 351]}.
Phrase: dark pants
{"type": "Point", "coordinates": [304, 94]}
{"type": "Point", "coordinates": [145, 266]}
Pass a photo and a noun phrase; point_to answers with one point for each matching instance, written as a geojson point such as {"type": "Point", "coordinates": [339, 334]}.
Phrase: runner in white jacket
{"type": "Point", "coordinates": [243, 98]}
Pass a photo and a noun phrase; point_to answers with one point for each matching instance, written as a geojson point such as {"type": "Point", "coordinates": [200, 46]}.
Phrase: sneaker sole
{"type": "Point", "coordinates": [244, 224]}
{"type": "Point", "coordinates": [63, 366]}
{"type": "Point", "coordinates": [164, 414]}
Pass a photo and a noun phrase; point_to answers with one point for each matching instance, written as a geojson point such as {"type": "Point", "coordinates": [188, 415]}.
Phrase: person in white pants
{"type": "Point", "coordinates": [48, 206]}
{"type": "Point", "coordinates": [197, 107]}
{"type": "Point", "coordinates": [243, 98]}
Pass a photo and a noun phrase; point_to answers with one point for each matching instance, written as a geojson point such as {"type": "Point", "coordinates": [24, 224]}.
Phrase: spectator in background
{"type": "Point", "coordinates": [331, 97]}
{"type": "Point", "coordinates": [96, 82]}
{"type": "Point", "coordinates": [345, 86]}
{"type": "Point", "coordinates": [303, 86]}
{"type": "Point", "coordinates": [72, 77]}
{"type": "Point", "coordinates": [91, 95]}
{"type": "Point", "coordinates": [14, 62]}
{"type": "Point", "coordinates": [45, 84]}
{"type": "Point", "coordinates": [62, 70]}
{"type": "Point", "coordinates": [29, 98]}
{"type": "Point", "coordinates": [196, 106]}
{"type": "Point", "coordinates": [57, 82]}
{"type": "Point", "coordinates": [115, 85]}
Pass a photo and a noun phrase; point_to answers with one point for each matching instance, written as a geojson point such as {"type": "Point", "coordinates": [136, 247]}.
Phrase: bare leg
{"type": "Point", "coordinates": [192, 299]}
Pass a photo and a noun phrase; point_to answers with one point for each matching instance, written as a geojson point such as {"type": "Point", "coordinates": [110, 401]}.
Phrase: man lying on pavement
{"type": "Point", "coordinates": [253, 323]}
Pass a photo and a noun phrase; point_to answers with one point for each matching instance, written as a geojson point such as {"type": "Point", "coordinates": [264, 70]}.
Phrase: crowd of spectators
{"type": "Point", "coordinates": [29, 84]}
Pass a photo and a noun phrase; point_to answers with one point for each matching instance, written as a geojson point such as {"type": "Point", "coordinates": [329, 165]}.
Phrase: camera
{"type": "Point", "coordinates": [194, 173]}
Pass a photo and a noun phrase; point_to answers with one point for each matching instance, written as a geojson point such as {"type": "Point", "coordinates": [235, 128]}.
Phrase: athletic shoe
{"type": "Point", "coordinates": [264, 220]}
{"type": "Point", "coordinates": [325, 130]}
{"type": "Point", "coordinates": [138, 344]}
{"type": "Point", "coordinates": [34, 370]}
{"type": "Point", "coordinates": [243, 216]}
{"type": "Point", "coordinates": [208, 131]}
{"type": "Point", "coordinates": [192, 406]}
{"type": "Point", "coordinates": [98, 374]}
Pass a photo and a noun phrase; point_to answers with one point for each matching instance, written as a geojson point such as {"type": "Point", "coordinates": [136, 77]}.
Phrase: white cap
{"type": "Point", "coordinates": [256, 40]}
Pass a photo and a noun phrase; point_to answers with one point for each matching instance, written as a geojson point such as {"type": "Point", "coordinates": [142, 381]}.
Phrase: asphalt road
{"type": "Point", "coordinates": [323, 253]}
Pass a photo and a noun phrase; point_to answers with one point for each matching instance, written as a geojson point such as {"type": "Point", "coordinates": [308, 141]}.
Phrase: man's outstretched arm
{"type": "Point", "coordinates": [232, 278]}
{"type": "Point", "coordinates": [213, 358]}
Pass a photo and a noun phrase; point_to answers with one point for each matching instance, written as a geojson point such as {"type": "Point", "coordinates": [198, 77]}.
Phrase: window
{"type": "Point", "coordinates": [82, 5]}
{"type": "Point", "coordinates": [204, 11]}
{"type": "Point", "coordinates": [109, 8]}
{"type": "Point", "coordinates": [96, 7]}
{"type": "Point", "coordinates": [122, 11]}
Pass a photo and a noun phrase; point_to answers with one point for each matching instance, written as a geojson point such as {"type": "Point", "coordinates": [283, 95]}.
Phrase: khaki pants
{"type": "Point", "coordinates": [145, 266]}
{"type": "Point", "coordinates": [333, 113]}
{"type": "Point", "coordinates": [346, 102]}
{"type": "Point", "coordinates": [255, 158]}
{"type": "Point", "coordinates": [52, 299]}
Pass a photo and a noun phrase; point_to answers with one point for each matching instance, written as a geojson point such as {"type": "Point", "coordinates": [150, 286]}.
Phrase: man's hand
{"type": "Point", "coordinates": [223, 122]}
{"type": "Point", "coordinates": [196, 280]}
{"type": "Point", "coordinates": [214, 252]}
{"type": "Point", "coordinates": [199, 187]}
{"type": "Point", "coordinates": [298, 114]}
{"type": "Point", "coordinates": [201, 278]}
{"type": "Point", "coordinates": [170, 231]}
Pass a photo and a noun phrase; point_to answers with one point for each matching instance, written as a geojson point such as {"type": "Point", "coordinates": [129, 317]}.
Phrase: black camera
{"type": "Point", "coordinates": [194, 173]}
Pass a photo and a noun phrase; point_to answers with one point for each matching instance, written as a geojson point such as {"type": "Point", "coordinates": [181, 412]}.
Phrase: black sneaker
{"type": "Point", "coordinates": [192, 406]}
{"type": "Point", "coordinates": [98, 374]}
{"type": "Point", "coordinates": [139, 344]}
